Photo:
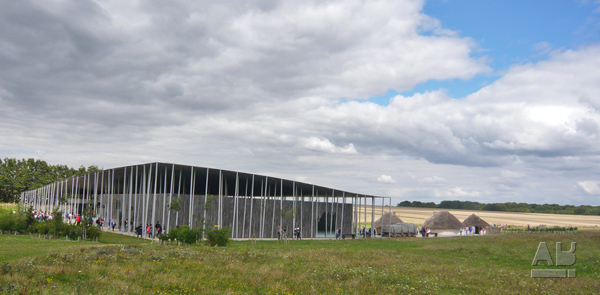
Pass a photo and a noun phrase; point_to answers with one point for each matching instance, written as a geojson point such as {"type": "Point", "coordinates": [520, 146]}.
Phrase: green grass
{"type": "Point", "coordinates": [466, 265]}
{"type": "Point", "coordinates": [115, 238]}
{"type": "Point", "coordinates": [18, 247]}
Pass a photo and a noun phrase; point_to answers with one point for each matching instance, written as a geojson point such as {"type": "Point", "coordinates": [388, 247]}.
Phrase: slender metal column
{"type": "Point", "coordinates": [281, 203]}
{"type": "Point", "coordinates": [179, 197]}
{"type": "Point", "coordinates": [337, 213]}
{"type": "Point", "coordinates": [365, 197]}
{"type": "Point", "coordinates": [144, 200]}
{"type": "Point", "coordinates": [77, 197]}
{"type": "Point", "coordinates": [331, 223]}
{"type": "Point", "coordinates": [136, 213]}
{"type": "Point", "coordinates": [89, 199]}
{"type": "Point", "coordinates": [251, 208]}
{"type": "Point", "coordinates": [131, 224]}
{"type": "Point", "coordinates": [312, 213]}
{"type": "Point", "coordinates": [245, 206]}
{"type": "Point", "coordinates": [170, 198]}
{"type": "Point", "coordinates": [273, 221]}
{"type": "Point", "coordinates": [373, 216]}
{"type": "Point", "coordinates": [343, 205]}
{"type": "Point", "coordinates": [102, 195]}
{"type": "Point", "coordinates": [326, 219]}
{"type": "Point", "coordinates": [220, 196]}
{"type": "Point", "coordinates": [95, 195]}
{"type": "Point", "coordinates": [234, 224]}
{"type": "Point", "coordinates": [123, 207]}
{"type": "Point", "coordinates": [205, 200]}
{"type": "Point", "coordinates": [294, 205]}
{"type": "Point", "coordinates": [164, 202]}
{"type": "Point", "coordinates": [154, 201]}
{"type": "Point", "coordinates": [112, 195]}
{"type": "Point", "coordinates": [192, 183]}
{"type": "Point", "coordinates": [383, 205]}
{"type": "Point", "coordinates": [263, 208]}
{"type": "Point", "coordinates": [390, 222]}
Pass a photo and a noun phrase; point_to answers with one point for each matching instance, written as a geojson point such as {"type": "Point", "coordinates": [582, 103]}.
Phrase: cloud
{"type": "Point", "coordinates": [590, 187]}
{"type": "Point", "coordinates": [385, 179]}
{"type": "Point", "coordinates": [280, 88]}
{"type": "Point", "coordinates": [325, 145]}
{"type": "Point", "coordinates": [456, 192]}
{"type": "Point", "coordinates": [434, 179]}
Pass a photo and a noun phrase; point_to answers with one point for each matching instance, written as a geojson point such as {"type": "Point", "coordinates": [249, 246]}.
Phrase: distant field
{"type": "Point", "coordinates": [419, 215]}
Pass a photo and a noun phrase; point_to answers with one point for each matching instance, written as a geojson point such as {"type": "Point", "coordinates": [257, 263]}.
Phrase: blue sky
{"type": "Point", "coordinates": [508, 33]}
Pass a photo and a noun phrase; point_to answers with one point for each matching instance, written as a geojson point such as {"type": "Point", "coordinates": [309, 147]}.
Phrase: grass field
{"type": "Point", "coordinates": [460, 265]}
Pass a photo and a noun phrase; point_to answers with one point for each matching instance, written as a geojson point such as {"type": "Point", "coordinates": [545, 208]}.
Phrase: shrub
{"type": "Point", "coordinates": [218, 237]}
{"type": "Point", "coordinates": [93, 233]}
{"type": "Point", "coordinates": [43, 228]}
{"type": "Point", "coordinates": [172, 235]}
{"type": "Point", "coordinates": [185, 234]}
{"type": "Point", "coordinates": [74, 232]}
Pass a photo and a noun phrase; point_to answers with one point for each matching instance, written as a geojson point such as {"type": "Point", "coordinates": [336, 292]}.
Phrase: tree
{"type": "Point", "coordinates": [17, 176]}
{"type": "Point", "coordinates": [175, 205]}
{"type": "Point", "coordinates": [494, 207]}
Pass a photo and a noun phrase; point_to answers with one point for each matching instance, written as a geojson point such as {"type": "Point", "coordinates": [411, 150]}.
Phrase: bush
{"type": "Point", "coordinates": [218, 237]}
{"type": "Point", "coordinates": [43, 228]}
{"type": "Point", "coordinates": [93, 233]}
{"type": "Point", "coordinates": [73, 232]}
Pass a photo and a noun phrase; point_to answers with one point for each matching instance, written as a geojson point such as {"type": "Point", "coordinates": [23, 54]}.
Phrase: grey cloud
{"type": "Point", "coordinates": [267, 87]}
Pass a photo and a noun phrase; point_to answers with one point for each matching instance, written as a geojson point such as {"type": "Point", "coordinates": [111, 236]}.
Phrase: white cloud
{"type": "Point", "coordinates": [323, 144]}
{"type": "Point", "coordinates": [385, 179]}
{"type": "Point", "coordinates": [456, 192]}
{"type": "Point", "coordinates": [590, 187]}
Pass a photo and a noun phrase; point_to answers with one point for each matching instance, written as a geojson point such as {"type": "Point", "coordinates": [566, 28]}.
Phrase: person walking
{"type": "Point", "coordinates": [158, 228]}
{"type": "Point", "coordinates": [138, 231]}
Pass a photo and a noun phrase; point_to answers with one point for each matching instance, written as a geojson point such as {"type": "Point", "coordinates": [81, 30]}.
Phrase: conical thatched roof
{"type": "Point", "coordinates": [442, 220]}
{"type": "Point", "coordinates": [386, 218]}
{"type": "Point", "coordinates": [475, 220]}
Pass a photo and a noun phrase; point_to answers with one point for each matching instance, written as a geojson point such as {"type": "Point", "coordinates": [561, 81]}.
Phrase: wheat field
{"type": "Point", "coordinates": [419, 215]}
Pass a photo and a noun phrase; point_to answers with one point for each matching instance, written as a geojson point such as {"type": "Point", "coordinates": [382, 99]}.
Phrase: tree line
{"type": "Point", "coordinates": [507, 207]}
{"type": "Point", "coordinates": [17, 176]}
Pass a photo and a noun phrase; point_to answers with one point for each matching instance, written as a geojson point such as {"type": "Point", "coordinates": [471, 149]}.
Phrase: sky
{"type": "Point", "coordinates": [487, 101]}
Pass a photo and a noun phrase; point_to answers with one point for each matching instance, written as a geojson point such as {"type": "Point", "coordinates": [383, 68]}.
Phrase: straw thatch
{"type": "Point", "coordinates": [386, 218]}
{"type": "Point", "coordinates": [443, 220]}
{"type": "Point", "coordinates": [475, 220]}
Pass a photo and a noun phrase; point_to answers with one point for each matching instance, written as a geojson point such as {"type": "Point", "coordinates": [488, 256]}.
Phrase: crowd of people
{"type": "Point", "coordinates": [282, 233]}
{"type": "Point", "coordinates": [472, 230]}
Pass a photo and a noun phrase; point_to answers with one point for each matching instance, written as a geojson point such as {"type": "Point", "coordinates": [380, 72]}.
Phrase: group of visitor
{"type": "Point", "coordinates": [41, 215]}
{"type": "Point", "coordinates": [364, 232]}
{"type": "Point", "coordinates": [472, 230]}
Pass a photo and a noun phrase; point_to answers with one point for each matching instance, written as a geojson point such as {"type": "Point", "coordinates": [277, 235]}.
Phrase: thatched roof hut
{"type": "Point", "coordinates": [443, 220]}
{"type": "Point", "coordinates": [386, 218]}
{"type": "Point", "coordinates": [475, 220]}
